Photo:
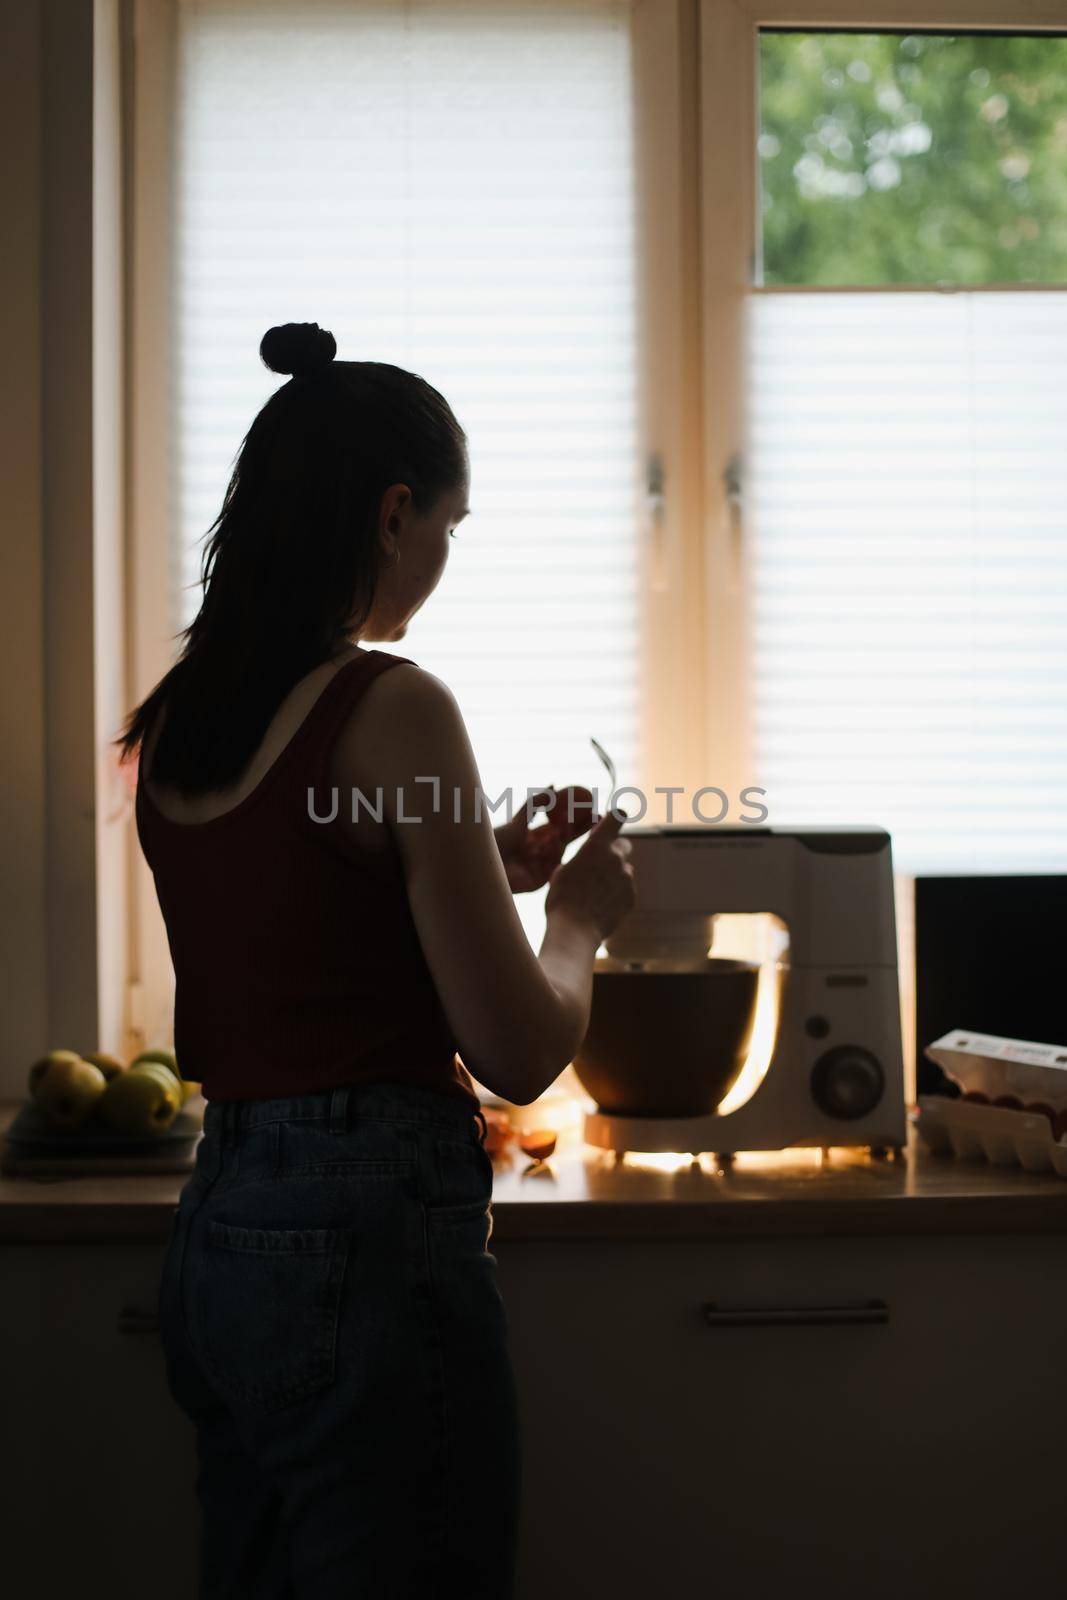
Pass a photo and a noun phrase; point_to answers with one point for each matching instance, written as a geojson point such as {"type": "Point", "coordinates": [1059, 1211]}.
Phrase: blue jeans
{"type": "Point", "coordinates": [333, 1327]}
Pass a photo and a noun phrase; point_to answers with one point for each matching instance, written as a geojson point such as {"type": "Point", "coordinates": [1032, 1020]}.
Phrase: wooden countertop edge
{"type": "Point", "coordinates": [876, 1216]}
{"type": "Point", "coordinates": [131, 1222]}
{"type": "Point", "coordinates": [583, 1196]}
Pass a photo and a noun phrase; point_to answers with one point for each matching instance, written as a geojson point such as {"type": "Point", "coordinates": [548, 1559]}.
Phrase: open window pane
{"type": "Point", "coordinates": [913, 158]}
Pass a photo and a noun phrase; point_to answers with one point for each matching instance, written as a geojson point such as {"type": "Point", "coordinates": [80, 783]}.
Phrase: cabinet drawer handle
{"type": "Point", "coordinates": [872, 1313]}
{"type": "Point", "coordinates": [133, 1321]}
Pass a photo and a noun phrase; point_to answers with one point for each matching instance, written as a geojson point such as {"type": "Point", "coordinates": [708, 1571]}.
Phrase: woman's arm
{"type": "Point", "coordinates": [518, 1018]}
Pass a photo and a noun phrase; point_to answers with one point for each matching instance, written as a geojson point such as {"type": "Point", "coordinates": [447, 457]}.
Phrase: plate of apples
{"type": "Point", "coordinates": [95, 1104]}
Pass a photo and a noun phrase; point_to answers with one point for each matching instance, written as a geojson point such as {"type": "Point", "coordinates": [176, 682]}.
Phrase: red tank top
{"type": "Point", "coordinates": [296, 960]}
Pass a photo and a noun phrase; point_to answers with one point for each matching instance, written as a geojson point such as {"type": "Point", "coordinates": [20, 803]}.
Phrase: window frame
{"type": "Point", "coordinates": [150, 646]}
{"type": "Point", "coordinates": [695, 88]}
{"type": "Point", "coordinates": [729, 91]}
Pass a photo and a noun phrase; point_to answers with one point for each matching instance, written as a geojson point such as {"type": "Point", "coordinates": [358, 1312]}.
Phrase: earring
{"type": "Point", "coordinates": [396, 558]}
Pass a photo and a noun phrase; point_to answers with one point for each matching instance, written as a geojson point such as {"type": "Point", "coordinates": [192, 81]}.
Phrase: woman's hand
{"type": "Point", "coordinates": [596, 886]}
{"type": "Point", "coordinates": [531, 855]}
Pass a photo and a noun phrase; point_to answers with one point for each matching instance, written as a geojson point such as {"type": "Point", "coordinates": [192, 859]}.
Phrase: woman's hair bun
{"type": "Point", "coordinates": [299, 348]}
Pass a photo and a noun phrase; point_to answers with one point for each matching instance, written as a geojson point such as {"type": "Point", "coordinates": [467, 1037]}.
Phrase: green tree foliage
{"type": "Point", "coordinates": [917, 158]}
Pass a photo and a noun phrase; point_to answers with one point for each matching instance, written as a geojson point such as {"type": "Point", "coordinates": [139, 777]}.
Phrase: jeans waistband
{"type": "Point", "coordinates": [341, 1108]}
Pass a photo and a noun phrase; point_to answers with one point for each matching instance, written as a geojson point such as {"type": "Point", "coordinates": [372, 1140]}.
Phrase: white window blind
{"type": "Point", "coordinates": [908, 485]}
{"type": "Point", "coordinates": [448, 187]}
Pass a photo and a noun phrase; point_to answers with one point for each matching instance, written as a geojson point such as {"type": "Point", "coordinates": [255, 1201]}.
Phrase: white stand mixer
{"type": "Point", "coordinates": [835, 1075]}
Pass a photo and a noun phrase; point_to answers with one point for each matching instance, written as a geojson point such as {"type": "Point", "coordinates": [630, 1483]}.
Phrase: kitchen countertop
{"type": "Point", "coordinates": [584, 1193]}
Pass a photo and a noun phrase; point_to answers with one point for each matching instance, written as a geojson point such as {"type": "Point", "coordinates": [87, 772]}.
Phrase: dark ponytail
{"type": "Point", "coordinates": [291, 562]}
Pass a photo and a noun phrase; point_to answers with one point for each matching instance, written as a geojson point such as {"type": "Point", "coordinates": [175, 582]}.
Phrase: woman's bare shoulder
{"type": "Point", "coordinates": [407, 716]}
{"type": "Point", "coordinates": [408, 699]}
{"type": "Point", "coordinates": [412, 687]}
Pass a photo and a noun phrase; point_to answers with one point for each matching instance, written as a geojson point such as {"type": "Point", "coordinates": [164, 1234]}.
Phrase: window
{"type": "Point", "coordinates": [909, 570]}
{"type": "Point", "coordinates": [759, 334]}
{"type": "Point", "coordinates": [907, 503]}
{"type": "Point", "coordinates": [449, 187]}
{"type": "Point", "coordinates": [453, 186]}
{"type": "Point", "coordinates": [913, 158]}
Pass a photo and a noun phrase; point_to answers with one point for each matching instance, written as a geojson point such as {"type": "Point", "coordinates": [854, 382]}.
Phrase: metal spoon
{"type": "Point", "coordinates": [609, 765]}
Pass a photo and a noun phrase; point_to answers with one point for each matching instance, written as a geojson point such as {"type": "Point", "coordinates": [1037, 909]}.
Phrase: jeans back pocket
{"type": "Point", "coordinates": [268, 1303]}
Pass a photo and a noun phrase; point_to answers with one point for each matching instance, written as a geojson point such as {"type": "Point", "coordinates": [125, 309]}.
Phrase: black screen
{"type": "Point", "coordinates": [989, 956]}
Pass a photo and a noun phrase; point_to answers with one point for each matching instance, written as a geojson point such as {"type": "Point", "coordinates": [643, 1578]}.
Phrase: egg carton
{"type": "Point", "coordinates": [994, 1066]}
{"type": "Point", "coordinates": [998, 1134]}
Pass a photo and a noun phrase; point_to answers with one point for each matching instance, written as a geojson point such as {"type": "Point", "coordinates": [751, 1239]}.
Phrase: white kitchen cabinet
{"type": "Point", "coordinates": [919, 1450]}
{"type": "Point", "coordinates": [667, 1454]}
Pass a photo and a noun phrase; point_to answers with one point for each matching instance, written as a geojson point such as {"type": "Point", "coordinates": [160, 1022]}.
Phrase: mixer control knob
{"type": "Point", "coordinates": [847, 1082]}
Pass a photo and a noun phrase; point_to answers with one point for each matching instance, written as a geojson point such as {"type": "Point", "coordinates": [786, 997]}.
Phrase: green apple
{"type": "Point", "coordinates": [167, 1058]}
{"type": "Point", "coordinates": [164, 1058]}
{"type": "Point", "coordinates": [143, 1100]}
{"type": "Point", "coordinates": [40, 1069]}
{"type": "Point", "coordinates": [156, 1069]}
{"type": "Point", "coordinates": [68, 1091]}
{"type": "Point", "coordinates": [109, 1065]}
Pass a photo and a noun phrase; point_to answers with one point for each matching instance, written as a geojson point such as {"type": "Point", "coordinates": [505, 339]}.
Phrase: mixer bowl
{"type": "Point", "coordinates": [667, 1039]}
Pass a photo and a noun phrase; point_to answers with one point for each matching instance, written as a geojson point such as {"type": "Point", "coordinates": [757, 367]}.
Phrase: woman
{"type": "Point", "coordinates": [340, 927]}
